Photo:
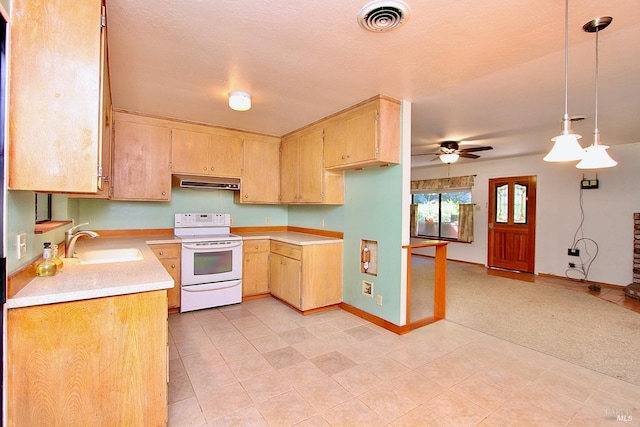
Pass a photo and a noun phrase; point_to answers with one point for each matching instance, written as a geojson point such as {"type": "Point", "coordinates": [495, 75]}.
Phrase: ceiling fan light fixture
{"type": "Point", "coordinates": [449, 157]}
{"type": "Point", "coordinates": [240, 101]}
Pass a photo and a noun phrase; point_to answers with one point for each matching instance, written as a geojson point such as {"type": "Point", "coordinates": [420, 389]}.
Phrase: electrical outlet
{"type": "Point", "coordinates": [572, 265]}
{"type": "Point", "coordinates": [230, 220]}
{"type": "Point", "coordinates": [379, 300]}
{"type": "Point", "coordinates": [322, 223]}
{"type": "Point", "coordinates": [573, 252]}
{"type": "Point", "coordinates": [266, 220]}
{"type": "Point", "coordinates": [367, 288]}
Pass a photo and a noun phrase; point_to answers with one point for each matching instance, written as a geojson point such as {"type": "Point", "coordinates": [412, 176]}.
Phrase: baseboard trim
{"type": "Point", "coordinates": [400, 330]}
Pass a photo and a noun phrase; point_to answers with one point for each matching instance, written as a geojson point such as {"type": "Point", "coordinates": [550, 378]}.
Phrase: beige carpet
{"type": "Point", "coordinates": [572, 326]}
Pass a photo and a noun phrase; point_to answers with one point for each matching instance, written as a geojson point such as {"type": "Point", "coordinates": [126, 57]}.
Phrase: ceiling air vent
{"type": "Point", "coordinates": [382, 16]}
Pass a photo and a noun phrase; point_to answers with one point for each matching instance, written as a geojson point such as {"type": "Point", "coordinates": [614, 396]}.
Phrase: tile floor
{"type": "Point", "coordinates": [261, 363]}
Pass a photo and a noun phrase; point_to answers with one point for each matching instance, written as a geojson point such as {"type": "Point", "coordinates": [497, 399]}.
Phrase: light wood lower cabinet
{"type": "Point", "coordinates": [169, 255]}
{"type": "Point", "coordinates": [255, 267]}
{"type": "Point", "coordinates": [306, 276]}
{"type": "Point", "coordinates": [100, 362]}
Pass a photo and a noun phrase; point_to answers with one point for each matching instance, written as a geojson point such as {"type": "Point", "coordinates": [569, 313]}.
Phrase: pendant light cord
{"type": "Point", "coordinates": [596, 141]}
{"type": "Point", "coordinates": [566, 60]}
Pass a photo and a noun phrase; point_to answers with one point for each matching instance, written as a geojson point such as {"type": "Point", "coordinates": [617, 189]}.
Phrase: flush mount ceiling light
{"type": "Point", "coordinates": [596, 155]}
{"type": "Point", "coordinates": [566, 147]}
{"type": "Point", "coordinates": [382, 16]}
{"type": "Point", "coordinates": [239, 101]}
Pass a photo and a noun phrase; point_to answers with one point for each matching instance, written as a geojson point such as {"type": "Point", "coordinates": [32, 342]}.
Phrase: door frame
{"type": "Point", "coordinates": [519, 242]}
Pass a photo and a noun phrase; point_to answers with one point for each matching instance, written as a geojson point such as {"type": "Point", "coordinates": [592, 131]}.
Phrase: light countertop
{"type": "Point", "coordinates": [292, 237]}
{"type": "Point", "coordinates": [87, 281]}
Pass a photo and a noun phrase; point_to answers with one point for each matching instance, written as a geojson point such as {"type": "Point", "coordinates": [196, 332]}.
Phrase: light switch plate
{"type": "Point", "coordinates": [21, 245]}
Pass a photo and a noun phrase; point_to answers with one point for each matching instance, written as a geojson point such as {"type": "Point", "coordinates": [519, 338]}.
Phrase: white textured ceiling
{"type": "Point", "coordinates": [485, 72]}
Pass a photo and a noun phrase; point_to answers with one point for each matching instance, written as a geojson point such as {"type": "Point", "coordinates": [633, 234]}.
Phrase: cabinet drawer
{"type": "Point", "coordinates": [286, 249]}
{"type": "Point", "coordinates": [166, 251]}
{"type": "Point", "coordinates": [251, 246]}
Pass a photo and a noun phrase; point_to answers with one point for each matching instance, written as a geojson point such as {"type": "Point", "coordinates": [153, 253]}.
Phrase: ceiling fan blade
{"type": "Point", "coordinates": [469, 155]}
{"type": "Point", "coordinates": [425, 154]}
{"type": "Point", "coordinates": [473, 149]}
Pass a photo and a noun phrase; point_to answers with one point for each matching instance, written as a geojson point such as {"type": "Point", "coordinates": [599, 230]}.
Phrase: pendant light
{"type": "Point", "coordinates": [566, 147]}
{"type": "Point", "coordinates": [449, 157]}
{"type": "Point", "coordinates": [596, 156]}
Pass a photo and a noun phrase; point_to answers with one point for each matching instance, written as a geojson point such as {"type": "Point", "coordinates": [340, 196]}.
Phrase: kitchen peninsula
{"type": "Point", "coordinates": [89, 345]}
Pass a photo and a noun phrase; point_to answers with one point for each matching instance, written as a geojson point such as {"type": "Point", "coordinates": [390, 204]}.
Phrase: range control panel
{"type": "Point", "coordinates": [202, 220]}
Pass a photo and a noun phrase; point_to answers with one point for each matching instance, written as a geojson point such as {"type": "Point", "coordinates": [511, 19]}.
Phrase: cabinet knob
{"type": "Point", "coordinates": [173, 266]}
{"type": "Point", "coordinates": [247, 260]}
{"type": "Point", "coordinates": [246, 196]}
{"type": "Point", "coordinates": [211, 167]}
{"type": "Point", "coordinates": [257, 246]}
{"type": "Point", "coordinates": [161, 252]}
{"type": "Point", "coordinates": [164, 193]}
{"type": "Point", "coordinates": [204, 168]}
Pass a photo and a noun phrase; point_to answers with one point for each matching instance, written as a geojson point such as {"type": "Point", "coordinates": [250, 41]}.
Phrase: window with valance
{"type": "Point", "coordinates": [442, 208]}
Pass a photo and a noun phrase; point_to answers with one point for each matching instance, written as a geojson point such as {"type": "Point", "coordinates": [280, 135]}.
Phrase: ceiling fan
{"type": "Point", "coordinates": [450, 151]}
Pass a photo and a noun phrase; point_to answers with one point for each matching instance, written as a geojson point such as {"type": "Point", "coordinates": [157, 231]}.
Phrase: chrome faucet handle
{"type": "Point", "coordinates": [74, 228]}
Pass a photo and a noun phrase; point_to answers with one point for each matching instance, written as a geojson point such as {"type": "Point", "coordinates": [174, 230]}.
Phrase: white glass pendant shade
{"type": "Point", "coordinates": [449, 158]}
{"type": "Point", "coordinates": [565, 149]}
{"type": "Point", "coordinates": [596, 156]}
{"type": "Point", "coordinates": [239, 101]}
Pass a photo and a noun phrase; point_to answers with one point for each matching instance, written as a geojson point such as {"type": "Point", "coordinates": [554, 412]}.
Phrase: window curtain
{"type": "Point", "coordinates": [442, 183]}
{"type": "Point", "coordinates": [465, 222]}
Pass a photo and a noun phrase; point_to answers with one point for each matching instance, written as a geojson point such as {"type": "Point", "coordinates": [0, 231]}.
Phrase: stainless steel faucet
{"type": "Point", "coordinates": [71, 236]}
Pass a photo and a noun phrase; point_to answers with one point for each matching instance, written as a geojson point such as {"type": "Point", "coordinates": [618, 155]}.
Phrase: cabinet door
{"type": "Point", "coordinates": [311, 167]}
{"type": "Point", "coordinates": [97, 362]}
{"type": "Point", "coordinates": [335, 143]}
{"type": "Point", "coordinates": [141, 157]}
{"type": "Point", "coordinates": [362, 138]}
{"type": "Point", "coordinates": [54, 95]}
{"type": "Point", "coordinates": [189, 152]}
{"type": "Point", "coordinates": [225, 156]}
{"type": "Point", "coordinates": [289, 165]}
{"type": "Point", "coordinates": [255, 271]}
{"type": "Point", "coordinates": [172, 265]}
{"type": "Point", "coordinates": [286, 279]}
{"type": "Point", "coordinates": [260, 172]}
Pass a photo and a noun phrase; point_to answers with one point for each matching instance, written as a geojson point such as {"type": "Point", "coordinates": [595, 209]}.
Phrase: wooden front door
{"type": "Point", "coordinates": [512, 223]}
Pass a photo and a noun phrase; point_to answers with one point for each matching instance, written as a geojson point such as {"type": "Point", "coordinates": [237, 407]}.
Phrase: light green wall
{"type": "Point", "coordinates": [21, 219]}
{"type": "Point", "coordinates": [372, 211]}
{"type": "Point", "coordinates": [114, 215]}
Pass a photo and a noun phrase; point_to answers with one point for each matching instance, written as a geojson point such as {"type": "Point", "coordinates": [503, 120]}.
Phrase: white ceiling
{"type": "Point", "coordinates": [485, 72]}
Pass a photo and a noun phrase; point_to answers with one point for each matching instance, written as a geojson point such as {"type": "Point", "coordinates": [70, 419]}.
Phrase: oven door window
{"type": "Point", "coordinates": [206, 263]}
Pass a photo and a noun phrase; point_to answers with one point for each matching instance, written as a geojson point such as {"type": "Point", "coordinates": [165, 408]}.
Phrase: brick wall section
{"type": "Point", "coordinates": [636, 248]}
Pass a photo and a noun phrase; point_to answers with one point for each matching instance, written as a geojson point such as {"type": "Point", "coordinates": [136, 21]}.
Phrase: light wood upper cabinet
{"type": "Point", "coordinates": [303, 178]}
{"type": "Point", "coordinates": [141, 159]}
{"type": "Point", "coordinates": [55, 95]}
{"type": "Point", "coordinates": [260, 182]}
{"type": "Point", "coordinates": [367, 134]}
{"type": "Point", "coordinates": [200, 153]}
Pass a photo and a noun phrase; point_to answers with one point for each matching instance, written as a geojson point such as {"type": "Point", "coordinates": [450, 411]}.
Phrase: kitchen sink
{"type": "Point", "coordinates": [104, 256]}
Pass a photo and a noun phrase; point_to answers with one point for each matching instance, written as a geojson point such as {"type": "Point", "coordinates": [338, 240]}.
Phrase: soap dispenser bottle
{"type": "Point", "coordinates": [56, 259]}
{"type": "Point", "coordinates": [46, 267]}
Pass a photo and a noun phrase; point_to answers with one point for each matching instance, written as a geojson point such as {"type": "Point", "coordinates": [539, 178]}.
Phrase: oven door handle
{"type": "Point", "coordinates": [201, 248]}
{"type": "Point", "coordinates": [211, 287]}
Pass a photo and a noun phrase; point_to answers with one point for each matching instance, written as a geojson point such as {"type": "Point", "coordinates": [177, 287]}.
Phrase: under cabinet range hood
{"type": "Point", "coordinates": [207, 182]}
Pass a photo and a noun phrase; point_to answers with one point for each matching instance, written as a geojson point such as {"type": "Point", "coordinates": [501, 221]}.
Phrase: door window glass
{"type": "Point", "coordinates": [502, 203]}
{"type": "Point", "coordinates": [519, 204]}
